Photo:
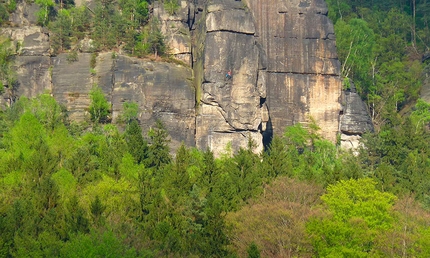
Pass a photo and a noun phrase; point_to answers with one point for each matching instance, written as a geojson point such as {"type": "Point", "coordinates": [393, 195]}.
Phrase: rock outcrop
{"type": "Point", "coordinates": [302, 72]}
{"type": "Point", "coordinates": [163, 91]}
{"type": "Point", "coordinates": [281, 54]}
{"type": "Point", "coordinates": [176, 29]}
{"type": "Point", "coordinates": [354, 119]}
{"type": "Point", "coordinates": [229, 109]}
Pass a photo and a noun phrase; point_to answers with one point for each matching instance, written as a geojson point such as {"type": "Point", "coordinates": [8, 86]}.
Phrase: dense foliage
{"type": "Point", "coordinates": [380, 45]}
{"type": "Point", "coordinates": [67, 191]}
{"type": "Point", "coordinates": [97, 190]}
{"type": "Point", "coordinates": [125, 24]}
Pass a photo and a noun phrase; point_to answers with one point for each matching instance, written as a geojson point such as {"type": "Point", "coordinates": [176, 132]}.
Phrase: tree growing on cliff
{"type": "Point", "coordinates": [171, 6]}
{"type": "Point", "coordinates": [7, 74]}
{"type": "Point", "coordinates": [355, 44]}
{"type": "Point", "coordinates": [46, 10]}
{"type": "Point", "coordinates": [99, 107]}
{"type": "Point", "coordinates": [61, 31]}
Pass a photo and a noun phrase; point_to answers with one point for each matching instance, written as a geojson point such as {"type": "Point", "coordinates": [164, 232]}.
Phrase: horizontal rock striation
{"type": "Point", "coordinates": [281, 55]}
{"type": "Point", "coordinates": [229, 108]}
{"type": "Point", "coordinates": [303, 72]}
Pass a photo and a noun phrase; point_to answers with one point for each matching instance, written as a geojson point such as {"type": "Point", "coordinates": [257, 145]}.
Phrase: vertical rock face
{"type": "Point", "coordinates": [176, 29]}
{"type": "Point", "coordinates": [229, 108]}
{"type": "Point", "coordinates": [163, 91]}
{"type": "Point", "coordinates": [281, 54]}
{"type": "Point", "coordinates": [72, 83]}
{"type": "Point", "coordinates": [33, 62]}
{"type": "Point", "coordinates": [354, 120]}
{"type": "Point", "coordinates": [298, 45]}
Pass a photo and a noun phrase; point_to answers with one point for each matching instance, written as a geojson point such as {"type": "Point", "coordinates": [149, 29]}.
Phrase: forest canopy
{"type": "Point", "coordinates": [99, 189]}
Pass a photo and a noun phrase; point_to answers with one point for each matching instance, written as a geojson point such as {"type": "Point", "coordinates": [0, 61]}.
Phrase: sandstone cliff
{"type": "Point", "coordinates": [298, 43]}
{"type": "Point", "coordinates": [281, 54]}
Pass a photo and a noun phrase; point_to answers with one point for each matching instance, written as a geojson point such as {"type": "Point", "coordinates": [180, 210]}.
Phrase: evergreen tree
{"type": "Point", "coordinates": [97, 210]}
{"type": "Point", "coordinates": [136, 145]}
{"type": "Point", "coordinates": [210, 170]}
{"type": "Point", "coordinates": [275, 160]}
{"type": "Point", "coordinates": [61, 30]}
{"type": "Point", "coordinates": [105, 20]}
{"type": "Point", "coordinates": [179, 173]}
{"type": "Point", "coordinates": [158, 150]}
{"type": "Point", "coordinates": [253, 251]}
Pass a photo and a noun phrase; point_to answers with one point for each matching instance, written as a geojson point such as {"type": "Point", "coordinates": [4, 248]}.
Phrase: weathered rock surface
{"type": "Point", "coordinates": [71, 84]}
{"type": "Point", "coordinates": [33, 75]}
{"type": "Point", "coordinates": [298, 43]}
{"type": "Point", "coordinates": [230, 110]}
{"type": "Point", "coordinates": [355, 119]}
{"type": "Point", "coordinates": [163, 91]}
{"type": "Point", "coordinates": [33, 64]}
{"type": "Point", "coordinates": [29, 40]}
{"type": "Point", "coordinates": [176, 29]}
{"type": "Point", "coordinates": [25, 15]}
{"type": "Point", "coordinates": [281, 53]}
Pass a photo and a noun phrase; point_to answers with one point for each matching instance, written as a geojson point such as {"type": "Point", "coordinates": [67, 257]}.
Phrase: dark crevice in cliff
{"type": "Point", "coordinates": [234, 130]}
{"type": "Point", "coordinates": [262, 101]}
{"type": "Point", "coordinates": [231, 31]}
{"type": "Point", "coordinates": [267, 135]}
{"type": "Point", "coordinates": [302, 73]}
{"type": "Point", "coordinates": [329, 36]}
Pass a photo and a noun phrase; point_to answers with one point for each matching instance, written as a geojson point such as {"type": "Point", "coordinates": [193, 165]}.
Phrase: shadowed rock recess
{"type": "Point", "coordinates": [281, 55]}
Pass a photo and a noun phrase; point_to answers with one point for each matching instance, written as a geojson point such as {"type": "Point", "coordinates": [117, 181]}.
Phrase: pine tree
{"type": "Point", "coordinates": [136, 145]}
{"type": "Point", "coordinates": [253, 251]}
{"type": "Point", "coordinates": [158, 151]}
{"type": "Point", "coordinates": [61, 30]}
{"type": "Point", "coordinates": [97, 209]}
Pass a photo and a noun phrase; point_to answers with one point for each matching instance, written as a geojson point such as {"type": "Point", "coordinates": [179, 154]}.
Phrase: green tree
{"type": "Point", "coordinates": [81, 22]}
{"type": "Point", "coordinates": [171, 6]}
{"type": "Point", "coordinates": [253, 251]}
{"type": "Point", "coordinates": [421, 115]}
{"type": "Point", "coordinates": [130, 111]}
{"type": "Point", "coordinates": [355, 42]}
{"type": "Point", "coordinates": [275, 160]}
{"type": "Point", "coordinates": [155, 39]}
{"type": "Point", "coordinates": [158, 150]}
{"type": "Point", "coordinates": [359, 213]}
{"type": "Point", "coordinates": [99, 107]}
{"type": "Point", "coordinates": [7, 73]}
{"type": "Point", "coordinates": [136, 145]}
{"type": "Point", "coordinates": [61, 30]}
{"type": "Point", "coordinates": [97, 210]}
{"type": "Point", "coordinates": [106, 20]}
{"type": "Point", "coordinates": [46, 10]}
